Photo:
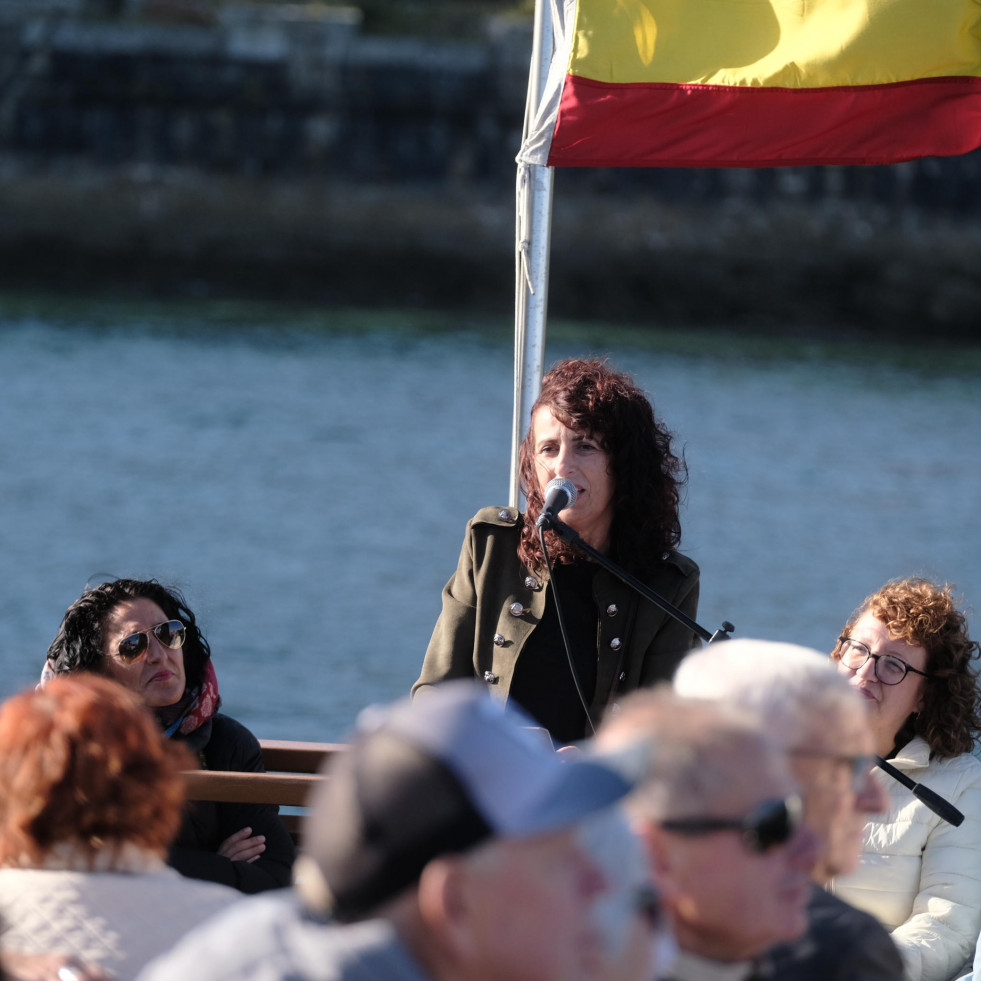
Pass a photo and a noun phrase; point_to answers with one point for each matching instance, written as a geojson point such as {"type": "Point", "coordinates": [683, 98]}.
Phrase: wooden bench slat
{"type": "Point", "coordinates": [293, 771]}
{"type": "Point", "coordinates": [289, 789]}
{"type": "Point", "coordinates": [294, 756]}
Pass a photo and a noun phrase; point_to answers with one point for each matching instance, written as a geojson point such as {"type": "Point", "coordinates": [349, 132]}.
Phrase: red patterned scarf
{"type": "Point", "coordinates": [195, 707]}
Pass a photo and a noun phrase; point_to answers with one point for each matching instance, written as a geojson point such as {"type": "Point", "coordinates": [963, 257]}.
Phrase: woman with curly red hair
{"type": "Point", "coordinates": [907, 651]}
{"type": "Point", "coordinates": [90, 799]}
{"type": "Point", "coordinates": [500, 620]}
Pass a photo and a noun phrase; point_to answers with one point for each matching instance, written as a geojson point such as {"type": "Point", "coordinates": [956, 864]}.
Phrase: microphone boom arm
{"type": "Point", "coordinates": [572, 537]}
{"type": "Point", "coordinates": [931, 798]}
{"type": "Point", "coordinates": [941, 807]}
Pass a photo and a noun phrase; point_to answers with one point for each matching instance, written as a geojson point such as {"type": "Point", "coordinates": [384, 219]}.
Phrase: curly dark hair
{"type": "Point", "coordinates": [923, 614]}
{"type": "Point", "coordinates": [80, 643]}
{"type": "Point", "coordinates": [590, 397]}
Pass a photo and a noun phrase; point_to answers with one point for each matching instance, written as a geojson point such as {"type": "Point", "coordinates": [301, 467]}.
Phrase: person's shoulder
{"type": "Point", "coordinates": [497, 517]}
{"type": "Point", "coordinates": [853, 939]}
{"type": "Point", "coordinates": [272, 936]}
{"type": "Point", "coordinates": [198, 892]}
{"type": "Point", "coordinates": [682, 563]}
{"type": "Point", "coordinates": [225, 726]}
{"type": "Point", "coordinates": [495, 528]}
{"type": "Point", "coordinates": [964, 770]}
{"type": "Point", "coordinates": [674, 565]}
{"type": "Point", "coordinates": [830, 914]}
{"type": "Point", "coordinates": [231, 743]}
{"type": "Point", "coordinates": [957, 778]}
{"type": "Point", "coordinates": [367, 949]}
{"type": "Point", "coordinates": [963, 766]}
{"type": "Point", "coordinates": [840, 942]}
{"type": "Point", "coordinates": [242, 941]}
{"type": "Point", "coordinates": [967, 762]}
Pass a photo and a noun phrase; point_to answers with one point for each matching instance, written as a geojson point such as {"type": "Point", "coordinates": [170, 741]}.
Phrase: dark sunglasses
{"type": "Point", "coordinates": [770, 824]}
{"type": "Point", "coordinates": [170, 634]}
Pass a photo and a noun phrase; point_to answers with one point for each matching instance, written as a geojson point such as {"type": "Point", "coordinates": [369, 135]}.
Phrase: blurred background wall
{"type": "Point", "coordinates": [338, 155]}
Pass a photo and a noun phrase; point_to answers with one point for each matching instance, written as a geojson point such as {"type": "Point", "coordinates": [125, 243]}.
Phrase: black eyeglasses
{"type": "Point", "coordinates": [770, 824]}
{"type": "Point", "coordinates": [889, 669]}
{"type": "Point", "coordinates": [170, 634]}
{"type": "Point", "coordinates": [859, 767]}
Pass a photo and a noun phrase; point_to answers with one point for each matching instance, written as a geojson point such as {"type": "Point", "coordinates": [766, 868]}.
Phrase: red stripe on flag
{"type": "Point", "coordinates": [645, 124]}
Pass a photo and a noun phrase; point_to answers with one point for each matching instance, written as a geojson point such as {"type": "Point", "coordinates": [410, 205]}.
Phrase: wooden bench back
{"type": "Point", "coordinates": [292, 772]}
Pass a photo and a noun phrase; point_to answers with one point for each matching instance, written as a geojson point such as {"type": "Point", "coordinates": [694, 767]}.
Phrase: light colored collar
{"type": "Point", "coordinates": [690, 967]}
{"type": "Point", "coordinates": [111, 857]}
{"type": "Point", "coordinates": [915, 754]}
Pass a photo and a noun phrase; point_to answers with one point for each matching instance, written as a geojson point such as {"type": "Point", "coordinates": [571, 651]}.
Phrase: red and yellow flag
{"type": "Point", "coordinates": [751, 83]}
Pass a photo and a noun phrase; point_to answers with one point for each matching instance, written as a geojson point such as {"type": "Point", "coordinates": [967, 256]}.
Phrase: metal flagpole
{"type": "Point", "coordinates": [533, 230]}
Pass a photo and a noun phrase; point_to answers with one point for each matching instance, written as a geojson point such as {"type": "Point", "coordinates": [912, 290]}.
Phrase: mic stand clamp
{"type": "Point", "coordinates": [572, 537]}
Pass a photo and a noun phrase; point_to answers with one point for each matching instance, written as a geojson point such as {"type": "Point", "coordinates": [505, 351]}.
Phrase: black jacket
{"type": "Point", "coordinates": [493, 603]}
{"type": "Point", "coordinates": [841, 942]}
{"type": "Point", "coordinates": [224, 744]}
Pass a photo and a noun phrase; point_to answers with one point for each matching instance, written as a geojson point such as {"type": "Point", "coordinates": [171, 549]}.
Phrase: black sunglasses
{"type": "Point", "coordinates": [770, 824]}
{"type": "Point", "coordinates": [170, 633]}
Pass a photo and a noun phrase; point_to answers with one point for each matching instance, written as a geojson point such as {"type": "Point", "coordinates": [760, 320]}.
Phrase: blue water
{"type": "Point", "coordinates": [308, 490]}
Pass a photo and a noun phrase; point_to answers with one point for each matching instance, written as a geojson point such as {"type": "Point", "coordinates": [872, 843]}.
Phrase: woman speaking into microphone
{"type": "Point", "coordinates": [509, 606]}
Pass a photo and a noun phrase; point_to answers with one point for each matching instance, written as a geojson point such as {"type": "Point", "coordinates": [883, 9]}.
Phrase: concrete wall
{"type": "Point", "coordinates": [280, 93]}
{"type": "Point", "coordinates": [291, 156]}
{"type": "Point", "coordinates": [295, 91]}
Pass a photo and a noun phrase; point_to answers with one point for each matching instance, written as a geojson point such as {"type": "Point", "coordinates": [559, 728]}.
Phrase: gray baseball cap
{"type": "Point", "coordinates": [437, 775]}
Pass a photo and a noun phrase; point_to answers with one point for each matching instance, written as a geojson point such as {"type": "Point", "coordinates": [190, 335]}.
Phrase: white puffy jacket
{"type": "Point", "coordinates": [920, 875]}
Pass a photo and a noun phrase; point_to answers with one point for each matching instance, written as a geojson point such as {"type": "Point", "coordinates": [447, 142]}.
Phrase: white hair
{"type": "Point", "coordinates": [791, 687]}
{"type": "Point", "coordinates": [696, 744]}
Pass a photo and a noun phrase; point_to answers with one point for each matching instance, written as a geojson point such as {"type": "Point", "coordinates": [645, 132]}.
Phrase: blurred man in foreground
{"type": "Point", "coordinates": [820, 721]}
{"type": "Point", "coordinates": [719, 813]}
{"type": "Point", "coordinates": [444, 845]}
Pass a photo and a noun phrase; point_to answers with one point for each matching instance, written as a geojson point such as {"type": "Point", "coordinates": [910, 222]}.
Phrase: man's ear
{"type": "Point", "coordinates": [444, 907]}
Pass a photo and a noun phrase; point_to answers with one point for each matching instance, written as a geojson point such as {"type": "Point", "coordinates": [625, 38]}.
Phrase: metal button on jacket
{"type": "Point", "coordinates": [532, 583]}
{"type": "Point", "coordinates": [516, 609]}
{"type": "Point", "coordinates": [490, 677]}
{"type": "Point", "coordinates": [505, 515]}
{"type": "Point", "coordinates": [615, 644]}
{"type": "Point", "coordinates": [499, 640]}
{"type": "Point", "coordinates": [612, 610]}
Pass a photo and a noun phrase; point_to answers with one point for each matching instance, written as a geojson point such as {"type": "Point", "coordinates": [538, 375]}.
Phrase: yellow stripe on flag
{"type": "Point", "coordinates": [783, 43]}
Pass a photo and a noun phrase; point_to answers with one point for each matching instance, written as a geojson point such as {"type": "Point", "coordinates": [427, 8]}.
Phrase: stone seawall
{"type": "Point", "coordinates": [289, 155]}
{"type": "Point", "coordinates": [276, 93]}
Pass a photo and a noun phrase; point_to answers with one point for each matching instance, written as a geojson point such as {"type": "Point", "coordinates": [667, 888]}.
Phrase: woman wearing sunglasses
{"type": "Point", "coordinates": [144, 636]}
{"type": "Point", "coordinates": [907, 651]}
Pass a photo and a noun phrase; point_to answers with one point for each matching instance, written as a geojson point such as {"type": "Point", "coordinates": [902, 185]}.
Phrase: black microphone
{"type": "Point", "coordinates": [560, 493]}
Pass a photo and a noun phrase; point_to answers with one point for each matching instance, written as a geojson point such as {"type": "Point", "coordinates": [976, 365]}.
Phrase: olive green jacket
{"type": "Point", "coordinates": [492, 604]}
